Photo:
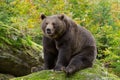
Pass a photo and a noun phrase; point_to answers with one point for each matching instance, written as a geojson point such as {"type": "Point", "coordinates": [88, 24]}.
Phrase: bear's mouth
{"type": "Point", "coordinates": [50, 34]}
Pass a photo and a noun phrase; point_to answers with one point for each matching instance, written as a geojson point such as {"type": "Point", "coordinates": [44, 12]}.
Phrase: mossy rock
{"type": "Point", "coordinates": [96, 73]}
{"type": "Point", "coordinates": [18, 53]}
{"type": "Point", "coordinates": [5, 76]}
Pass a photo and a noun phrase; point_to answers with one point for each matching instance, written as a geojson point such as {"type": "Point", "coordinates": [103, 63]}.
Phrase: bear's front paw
{"type": "Point", "coordinates": [69, 70]}
{"type": "Point", "coordinates": [59, 68]}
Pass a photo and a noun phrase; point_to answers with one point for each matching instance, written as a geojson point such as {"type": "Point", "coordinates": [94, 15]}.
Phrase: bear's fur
{"type": "Point", "coordinates": [66, 45]}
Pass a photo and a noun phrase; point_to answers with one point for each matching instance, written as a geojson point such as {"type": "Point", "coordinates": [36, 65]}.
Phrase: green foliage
{"type": "Point", "coordinates": [14, 31]}
{"type": "Point", "coordinates": [102, 15]}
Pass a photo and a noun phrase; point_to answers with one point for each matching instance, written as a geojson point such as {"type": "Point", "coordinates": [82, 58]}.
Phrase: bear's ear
{"type": "Point", "coordinates": [42, 16]}
{"type": "Point", "coordinates": [61, 17]}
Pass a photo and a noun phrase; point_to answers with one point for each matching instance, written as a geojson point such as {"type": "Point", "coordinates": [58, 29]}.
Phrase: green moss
{"type": "Point", "coordinates": [96, 73]}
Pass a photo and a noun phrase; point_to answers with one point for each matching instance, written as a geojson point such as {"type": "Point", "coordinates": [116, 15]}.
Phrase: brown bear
{"type": "Point", "coordinates": [66, 45]}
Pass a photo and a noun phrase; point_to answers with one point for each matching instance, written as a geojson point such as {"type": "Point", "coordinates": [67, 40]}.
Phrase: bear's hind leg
{"type": "Point", "coordinates": [81, 61]}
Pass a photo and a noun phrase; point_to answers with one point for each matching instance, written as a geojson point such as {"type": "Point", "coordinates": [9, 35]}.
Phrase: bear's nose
{"type": "Point", "coordinates": [48, 31]}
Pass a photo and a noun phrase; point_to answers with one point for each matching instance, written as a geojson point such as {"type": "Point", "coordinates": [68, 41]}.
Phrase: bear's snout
{"type": "Point", "coordinates": [48, 30]}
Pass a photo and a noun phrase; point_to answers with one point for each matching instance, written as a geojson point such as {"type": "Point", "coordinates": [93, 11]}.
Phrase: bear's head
{"type": "Point", "coordinates": [53, 26]}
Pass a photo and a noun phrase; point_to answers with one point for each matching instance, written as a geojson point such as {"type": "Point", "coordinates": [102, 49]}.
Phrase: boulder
{"type": "Point", "coordinates": [17, 63]}
{"type": "Point", "coordinates": [5, 76]}
{"type": "Point", "coordinates": [97, 72]}
{"type": "Point", "coordinates": [18, 53]}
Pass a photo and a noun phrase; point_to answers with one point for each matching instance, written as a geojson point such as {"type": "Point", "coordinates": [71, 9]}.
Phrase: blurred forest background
{"type": "Point", "coordinates": [20, 26]}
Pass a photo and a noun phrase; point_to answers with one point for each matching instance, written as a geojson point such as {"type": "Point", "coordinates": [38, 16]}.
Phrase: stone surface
{"type": "Point", "coordinates": [96, 73]}
{"type": "Point", "coordinates": [5, 76]}
{"type": "Point", "coordinates": [18, 62]}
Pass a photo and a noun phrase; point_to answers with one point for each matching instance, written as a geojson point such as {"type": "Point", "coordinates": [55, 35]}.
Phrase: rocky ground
{"type": "Point", "coordinates": [97, 72]}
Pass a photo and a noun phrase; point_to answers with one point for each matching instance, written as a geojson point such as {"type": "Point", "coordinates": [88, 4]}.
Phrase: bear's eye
{"type": "Point", "coordinates": [46, 23]}
{"type": "Point", "coordinates": [53, 24]}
